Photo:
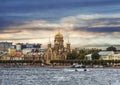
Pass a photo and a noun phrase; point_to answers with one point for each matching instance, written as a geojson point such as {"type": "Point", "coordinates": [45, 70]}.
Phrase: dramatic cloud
{"type": "Point", "coordinates": [88, 22]}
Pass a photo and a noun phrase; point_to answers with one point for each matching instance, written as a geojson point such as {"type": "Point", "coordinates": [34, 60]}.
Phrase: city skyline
{"type": "Point", "coordinates": [87, 23]}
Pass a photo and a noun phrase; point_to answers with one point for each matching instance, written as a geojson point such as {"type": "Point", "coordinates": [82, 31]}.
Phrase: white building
{"type": "Point", "coordinates": [89, 56]}
{"type": "Point", "coordinates": [18, 47]}
{"type": "Point", "coordinates": [116, 56]}
{"type": "Point", "coordinates": [25, 51]}
{"type": "Point", "coordinates": [106, 55]}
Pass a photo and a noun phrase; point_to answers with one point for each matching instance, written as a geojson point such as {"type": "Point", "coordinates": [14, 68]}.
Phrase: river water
{"type": "Point", "coordinates": [50, 76]}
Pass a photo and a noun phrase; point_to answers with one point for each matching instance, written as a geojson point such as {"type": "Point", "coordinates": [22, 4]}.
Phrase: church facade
{"type": "Point", "coordinates": [58, 51]}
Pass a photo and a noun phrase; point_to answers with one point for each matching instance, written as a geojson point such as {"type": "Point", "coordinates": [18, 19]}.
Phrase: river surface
{"type": "Point", "coordinates": [50, 76]}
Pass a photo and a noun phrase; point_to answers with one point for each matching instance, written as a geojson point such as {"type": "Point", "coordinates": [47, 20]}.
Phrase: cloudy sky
{"type": "Point", "coordinates": [86, 22]}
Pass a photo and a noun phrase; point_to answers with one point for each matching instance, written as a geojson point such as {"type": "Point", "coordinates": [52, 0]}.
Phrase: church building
{"type": "Point", "coordinates": [58, 51]}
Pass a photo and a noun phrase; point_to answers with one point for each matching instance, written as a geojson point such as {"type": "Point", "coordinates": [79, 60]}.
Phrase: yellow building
{"type": "Point", "coordinates": [58, 51]}
{"type": "Point", "coordinates": [12, 51]}
{"type": "Point", "coordinates": [6, 57]}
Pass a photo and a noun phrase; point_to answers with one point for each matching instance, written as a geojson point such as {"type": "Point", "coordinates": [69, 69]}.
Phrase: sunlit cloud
{"type": "Point", "coordinates": [96, 28]}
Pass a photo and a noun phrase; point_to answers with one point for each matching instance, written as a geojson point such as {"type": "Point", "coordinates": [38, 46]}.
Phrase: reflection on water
{"type": "Point", "coordinates": [47, 76]}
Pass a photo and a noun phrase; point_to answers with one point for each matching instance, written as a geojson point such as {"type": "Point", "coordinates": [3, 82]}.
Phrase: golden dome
{"type": "Point", "coordinates": [58, 35]}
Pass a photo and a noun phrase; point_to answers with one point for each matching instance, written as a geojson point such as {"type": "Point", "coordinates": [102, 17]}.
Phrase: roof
{"type": "Point", "coordinates": [116, 54]}
{"type": "Point", "coordinates": [18, 54]}
{"type": "Point", "coordinates": [106, 53]}
{"type": "Point", "coordinates": [88, 55]}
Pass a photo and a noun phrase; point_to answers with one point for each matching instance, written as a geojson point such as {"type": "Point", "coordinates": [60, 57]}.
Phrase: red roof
{"type": "Point", "coordinates": [18, 55]}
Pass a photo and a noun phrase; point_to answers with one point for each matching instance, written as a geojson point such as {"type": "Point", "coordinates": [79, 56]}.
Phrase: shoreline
{"type": "Point", "coordinates": [54, 67]}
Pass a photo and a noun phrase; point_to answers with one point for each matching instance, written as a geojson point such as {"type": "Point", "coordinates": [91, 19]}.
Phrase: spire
{"type": "Point", "coordinates": [59, 31]}
{"type": "Point", "coordinates": [49, 44]}
{"type": "Point", "coordinates": [49, 41]}
{"type": "Point", "coordinates": [68, 39]}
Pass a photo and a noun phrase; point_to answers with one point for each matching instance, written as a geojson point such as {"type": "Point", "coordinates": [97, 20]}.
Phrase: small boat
{"type": "Point", "coordinates": [85, 69]}
{"type": "Point", "coordinates": [75, 65]}
{"type": "Point", "coordinates": [81, 70]}
{"type": "Point", "coordinates": [75, 70]}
